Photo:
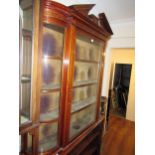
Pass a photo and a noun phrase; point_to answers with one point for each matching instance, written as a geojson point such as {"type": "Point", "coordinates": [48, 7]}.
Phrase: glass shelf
{"type": "Point", "coordinates": [24, 119]}
{"type": "Point", "coordinates": [49, 116]}
{"type": "Point", "coordinates": [86, 61]}
{"type": "Point", "coordinates": [52, 57]}
{"type": "Point", "coordinates": [25, 78]}
{"type": "Point", "coordinates": [78, 105]}
{"type": "Point", "coordinates": [50, 87]}
{"type": "Point", "coordinates": [83, 97]}
{"type": "Point", "coordinates": [27, 33]}
{"type": "Point", "coordinates": [84, 83]}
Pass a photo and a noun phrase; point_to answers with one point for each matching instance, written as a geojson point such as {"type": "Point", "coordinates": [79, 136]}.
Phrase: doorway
{"type": "Point", "coordinates": [120, 89]}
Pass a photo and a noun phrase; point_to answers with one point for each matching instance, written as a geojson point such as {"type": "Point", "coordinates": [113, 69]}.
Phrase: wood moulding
{"type": "Point", "coordinates": [83, 8]}
{"type": "Point", "coordinates": [101, 21]}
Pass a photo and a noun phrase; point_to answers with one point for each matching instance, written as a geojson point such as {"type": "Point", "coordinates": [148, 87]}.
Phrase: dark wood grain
{"type": "Point", "coordinates": [68, 64]}
{"type": "Point", "coordinates": [120, 137]}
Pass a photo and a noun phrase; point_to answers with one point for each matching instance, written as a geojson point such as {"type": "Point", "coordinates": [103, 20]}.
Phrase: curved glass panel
{"type": "Point", "coordinates": [49, 106]}
{"type": "Point", "coordinates": [47, 136]}
{"type": "Point", "coordinates": [52, 54]}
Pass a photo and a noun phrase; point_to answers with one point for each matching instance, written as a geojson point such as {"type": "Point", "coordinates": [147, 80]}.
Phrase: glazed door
{"type": "Point", "coordinates": [50, 92]}
{"type": "Point", "coordinates": [25, 52]}
{"type": "Point", "coordinates": [85, 86]}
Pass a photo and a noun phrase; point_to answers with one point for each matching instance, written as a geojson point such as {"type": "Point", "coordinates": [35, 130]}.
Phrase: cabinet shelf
{"type": "Point", "coordinates": [50, 88]}
{"type": "Point", "coordinates": [80, 105]}
{"type": "Point", "coordinates": [25, 79]}
{"type": "Point", "coordinates": [49, 121]}
{"type": "Point", "coordinates": [52, 116]}
{"type": "Point", "coordinates": [24, 119]}
{"type": "Point", "coordinates": [27, 33]}
{"type": "Point", "coordinates": [84, 83]}
{"type": "Point", "coordinates": [87, 61]}
{"type": "Point", "coordinates": [52, 57]}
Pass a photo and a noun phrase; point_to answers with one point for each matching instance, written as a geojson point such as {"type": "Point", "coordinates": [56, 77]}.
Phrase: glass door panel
{"type": "Point", "coordinates": [85, 86]}
{"type": "Point", "coordinates": [82, 119]}
{"type": "Point", "coordinates": [49, 106]}
{"type": "Point", "coordinates": [51, 73]}
{"type": "Point", "coordinates": [85, 73]}
{"type": "Point", "coordinates": [48, 136]}
{"type": "Point", "coordinates": [25, 51]}
{"type": "Point", "coordinates": [87, 49]}
{"type": "Point", "coordinates": [83, 97]}
{"type": "Point", "coordinates": [50, 93]}
{"type": "Point", "coordinates": [52, 41]}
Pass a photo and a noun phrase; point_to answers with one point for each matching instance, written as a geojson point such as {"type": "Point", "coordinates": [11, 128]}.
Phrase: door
{"type": "Point", "coordinates": [85, 83]}
{"type": "Point", "coordinates": [51, 85]}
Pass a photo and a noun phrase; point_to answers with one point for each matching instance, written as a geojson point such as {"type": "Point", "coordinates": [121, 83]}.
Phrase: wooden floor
{"type": "Point", "coordinates": [120, 137]}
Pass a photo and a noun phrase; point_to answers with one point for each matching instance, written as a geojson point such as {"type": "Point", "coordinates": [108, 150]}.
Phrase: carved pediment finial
{"type": "Point", "coordinates": [103, 22]}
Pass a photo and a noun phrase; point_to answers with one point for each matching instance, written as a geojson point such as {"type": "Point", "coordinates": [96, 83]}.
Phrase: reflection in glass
{"type": "Point", "coordinates": [47, 136]}
{"type": "Point", "coordinates": [49, 106]}
{"type": "Point", "coordinates": [52, 40]}
{"type": "Point", "coordinates": [82, 119]}
{"type": "Point", "coordinates": [51, 74]}
{"type": "Point", "coordinates": [25, 48]}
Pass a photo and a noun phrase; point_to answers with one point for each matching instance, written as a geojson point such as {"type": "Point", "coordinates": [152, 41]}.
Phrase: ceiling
{"type": "Point", "coordinates": [115, 10]}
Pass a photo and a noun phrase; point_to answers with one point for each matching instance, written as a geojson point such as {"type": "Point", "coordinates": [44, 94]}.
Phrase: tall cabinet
{"type": "Point", "coordinates": [61, 68]}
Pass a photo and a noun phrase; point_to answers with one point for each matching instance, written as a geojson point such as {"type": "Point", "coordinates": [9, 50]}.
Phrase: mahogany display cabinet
{"type": "Point", "coordinates": [61, 70]}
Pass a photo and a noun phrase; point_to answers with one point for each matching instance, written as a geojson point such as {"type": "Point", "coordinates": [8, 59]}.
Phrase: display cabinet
{"type": "Point", "coordinates": [61, 69]}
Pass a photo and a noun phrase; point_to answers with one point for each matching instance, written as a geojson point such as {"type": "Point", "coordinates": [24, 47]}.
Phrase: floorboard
{"type": "Point", "coordinates": [120, 137]}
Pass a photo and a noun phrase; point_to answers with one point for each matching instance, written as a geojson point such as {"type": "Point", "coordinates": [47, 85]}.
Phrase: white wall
{"type": "Point", "coordinates": [121, 49]}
